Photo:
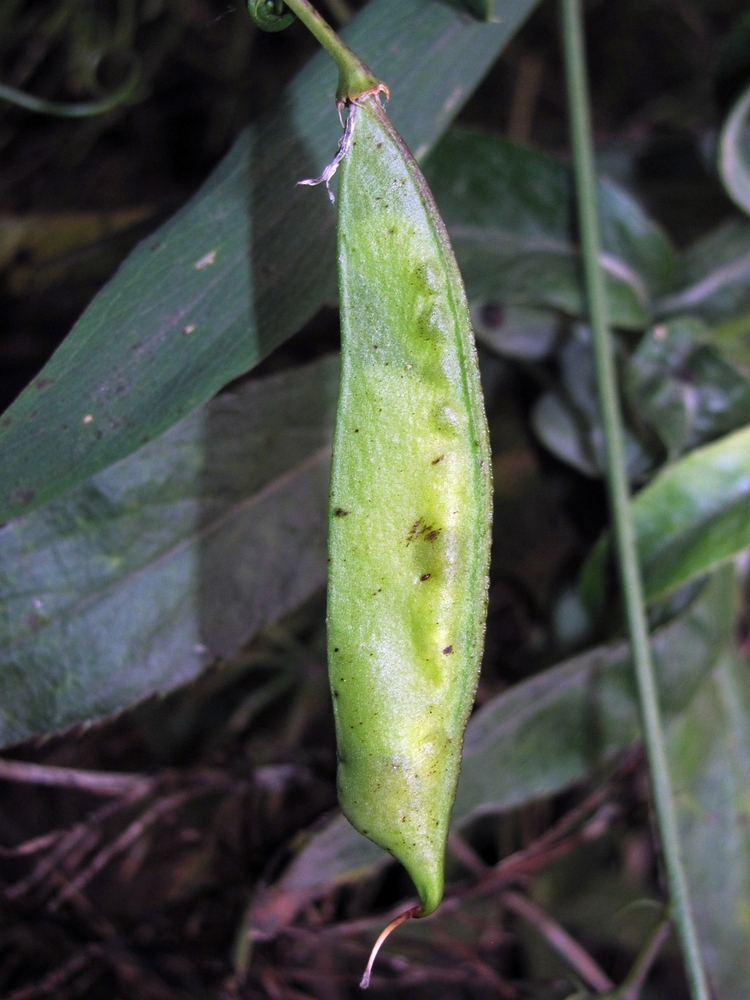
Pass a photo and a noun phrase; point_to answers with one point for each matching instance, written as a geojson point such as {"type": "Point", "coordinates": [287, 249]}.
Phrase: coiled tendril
{"type": "Point", "coordinates": [270, 15]}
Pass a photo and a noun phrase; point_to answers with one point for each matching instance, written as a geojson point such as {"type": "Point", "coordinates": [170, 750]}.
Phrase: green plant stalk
{"type": "Point", "coordinates": [630, 577]}
{"type": "Point", "coordinates": [355, 79]}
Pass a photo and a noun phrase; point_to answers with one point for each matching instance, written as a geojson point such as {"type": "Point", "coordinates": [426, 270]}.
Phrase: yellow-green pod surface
{"type": "Point", "coordinates": [410, 507]}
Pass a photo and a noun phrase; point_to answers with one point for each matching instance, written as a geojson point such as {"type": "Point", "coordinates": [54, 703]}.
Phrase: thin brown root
{"type": "Point", "coordinates": [406, 915]}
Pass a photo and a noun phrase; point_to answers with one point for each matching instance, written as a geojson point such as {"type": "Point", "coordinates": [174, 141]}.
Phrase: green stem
{"type": "Point", "coordinates": [355, 79]}
{"type": "Point", "coordinates": [630, 578]}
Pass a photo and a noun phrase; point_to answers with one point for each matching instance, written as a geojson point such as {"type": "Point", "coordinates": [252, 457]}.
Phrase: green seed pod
{"type": "Point", "coordinates": [410, 507]}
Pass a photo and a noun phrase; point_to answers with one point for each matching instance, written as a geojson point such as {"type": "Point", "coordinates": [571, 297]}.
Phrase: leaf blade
{"type": "Point", "coordinates": [694, 515]}
{"type": "Point", "coordinates": [510, 213]}
{"type": "Point", "coordinates": [709, 752]}
{"type": "Point", "coordinates": [137, 579]}
{"type": "Point", "coordinates": [239, 269]}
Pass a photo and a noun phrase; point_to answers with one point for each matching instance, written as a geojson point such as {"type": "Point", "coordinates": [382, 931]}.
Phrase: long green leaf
{"type": "Point", "coordinates": [137, 579]}
{"type": "Point", "coordinates": [535, 740]}
{"type": "Point", "coordinates": [243, 266]}
{"type": "Point", "coordinates": [709, 749]}
{"type": "Point", "coordinates": [692, 516]}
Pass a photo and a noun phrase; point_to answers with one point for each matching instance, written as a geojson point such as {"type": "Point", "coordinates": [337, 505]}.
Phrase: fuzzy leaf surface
{"type": "Point", "coordinates": [138, 578]}
{"type": "Point", "coordinates": [244, 265]}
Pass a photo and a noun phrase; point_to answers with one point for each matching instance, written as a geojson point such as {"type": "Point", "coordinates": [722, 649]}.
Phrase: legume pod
{"type": "Point", "coordinates": [410, 507]}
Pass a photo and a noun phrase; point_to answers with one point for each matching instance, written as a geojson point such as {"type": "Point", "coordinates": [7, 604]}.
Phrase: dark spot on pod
{"type": "Point", "coordinates": [438, 459]}
{"type": "Point", "coordinates": [335, 694]}
{"type": "Point", "coordinates": [425, 576]}
{"type": "Point", "coordinates": [356, 430]}
{"type": "Point", "coordinates": [432, 535]}
{"type": "Point", "coordinates": [448, 649]}
{"type": "Point", "coordinates": [414, 531]}
{"type": "Point", "coordinates": [42, 383]}
{"type": "Point", "coordinates": [336, 649]}
{"type": "Point", "coordinates": [340, 512]}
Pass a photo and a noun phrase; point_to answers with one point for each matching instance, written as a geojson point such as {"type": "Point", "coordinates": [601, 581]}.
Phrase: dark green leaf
{"type": "Point", "coordinates": [713, 279]}
{"type": "Point", "coordinates": [554, 729]}
{"type": "Point", "coordinates": [709, 754]}
{"type": "Point", "coordinates": [562, 431]}
{"type": "Point", "coordinates": [510, 213]}
{"type": "Point", "coordinates": [243, 266]}
{"type": "Point", "coordinates": [693, 515]}
{"type": "Point", "coordinates": [684, 389]}
{"type": "Point", "coordinates": [568, 421]}
{"type": "Point", "coordinates": [516, 331]}
{"type": "Point", "coordinates": [732, 339]}
{"type": "Point", "coordinates": [137, 579]}
{"type": "Point", "coordinates": [540, 737]}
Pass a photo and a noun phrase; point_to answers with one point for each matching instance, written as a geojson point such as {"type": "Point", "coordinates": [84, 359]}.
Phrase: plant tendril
{"type": "Point", "coordinates": [270, 15]}
{"type": "Point", "coordinates": [77, 109]}
{"type": "Point", "coordinates": [402, 918]}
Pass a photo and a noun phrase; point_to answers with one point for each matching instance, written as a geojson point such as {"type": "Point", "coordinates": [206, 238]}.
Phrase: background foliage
{"type": "Point", "coordinates": [160, 535]}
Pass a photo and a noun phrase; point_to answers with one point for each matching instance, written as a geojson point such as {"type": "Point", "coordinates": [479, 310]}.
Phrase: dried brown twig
{"type": "Point", "coordinates": [558, 938]}
{"type": "Point", "coordinates": [49, 985]}
{"type": "Point", "coordinates": [65, 845]}
{"type": "Point", "coordinates": [126, 839]}
{"type": "Point", "coordinates": [95, 782]}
